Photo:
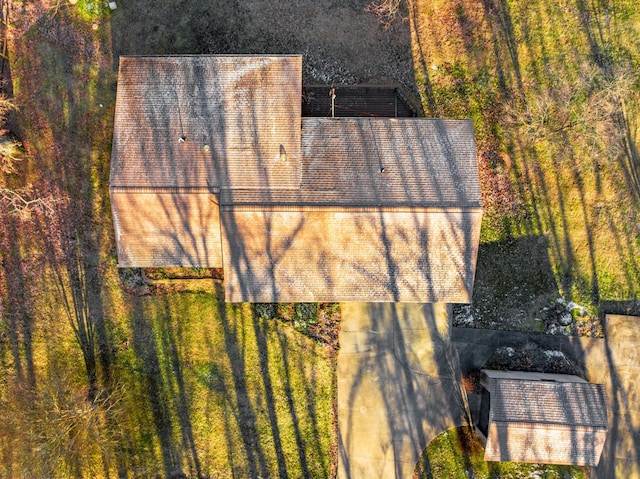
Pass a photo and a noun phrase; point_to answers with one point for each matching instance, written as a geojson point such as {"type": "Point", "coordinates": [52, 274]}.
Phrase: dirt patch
{"type": "Point", "coordinates": [514, 280]}
{"type": "Point", "coordinates": [531, 358]}
{"type": "Point", "coordinates": [161, 274]}
{"type": "Point", "coordinates": [340, 42]}
{"type": "Point", "coordinates": [160, 282]}
{"type": "Point", "coordinates": [515, 290]}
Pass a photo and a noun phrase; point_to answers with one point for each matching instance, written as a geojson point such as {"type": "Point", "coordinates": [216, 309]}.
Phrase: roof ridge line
{"type": "Point", "coordinates": [408, 208]}
{"type": "Point", "coordinates": [550, 423]}
{"type": "Point", "coordinates": [163, 189]}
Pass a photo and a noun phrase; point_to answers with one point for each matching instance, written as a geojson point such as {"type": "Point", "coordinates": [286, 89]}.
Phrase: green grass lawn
{"type": "Point", "coordinates": [553, 90]}
{"type": "Point", "coordinates": [96, 382]}
{"type": "Point", "coordinates": [458, 453]}
{"type": "Point", "coordinates": [197, 386]}
{"type": "Point", "coordinates": [223, 391]}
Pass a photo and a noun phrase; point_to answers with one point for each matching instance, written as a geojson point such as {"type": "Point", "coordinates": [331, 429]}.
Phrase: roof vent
{"type": "Point", "coordinates": [283, 154]}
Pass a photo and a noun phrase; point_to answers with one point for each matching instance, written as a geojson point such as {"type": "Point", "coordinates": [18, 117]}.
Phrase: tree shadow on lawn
{"type": "Point", "coordinates": [61, 82]}
{"type": "Point", "coordinates": [530, 77]}
{"type": "Point", "coordinates": [223, 391]}
{"type": "Point", "coordinates": [280, 397]}
{"type": "Point", "coordinates": [17, 290]}
{"type": "Point", "coordinates": [514, 281]}
{"type": "Point", "coordinates": [65, 94]}
{"type": "Point", "coordinates": [146, 347]}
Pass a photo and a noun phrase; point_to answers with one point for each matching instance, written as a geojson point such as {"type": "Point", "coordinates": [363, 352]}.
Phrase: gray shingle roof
{"type": "Point", "coordinates": [548, 402]}
{"type": "Point", "coordinates": [428, 163]}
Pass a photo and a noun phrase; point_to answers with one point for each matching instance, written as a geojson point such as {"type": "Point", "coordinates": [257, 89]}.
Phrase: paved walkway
{"type": "Point", "coordinates": [398, 386]}
{"type": "Point", "coordinates": [621, 456]}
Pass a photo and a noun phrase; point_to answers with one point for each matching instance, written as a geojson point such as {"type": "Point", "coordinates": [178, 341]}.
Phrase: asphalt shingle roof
{"type": "Point", "coordinates": [167, 228]}
{"type": "Point", "coordinates": [306, 209]}
{"type": "Point", "coordinates": [237, 114]}
{"type": "Point", "coordinates": [546, 422]}
{"type": "Point", "coordinates": [379, 162]}
{"type": "Point", "coordinates": [548, 402]}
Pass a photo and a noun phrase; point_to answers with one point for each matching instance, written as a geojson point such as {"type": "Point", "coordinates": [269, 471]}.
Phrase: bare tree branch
{"type": "Point", "coordinates": [386, 10]}
{"type": "Point", "coordinates": [21, 203]}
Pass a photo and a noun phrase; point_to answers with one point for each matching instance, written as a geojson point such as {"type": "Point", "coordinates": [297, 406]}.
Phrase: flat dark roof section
{"type": "Point", "coordinates": [357, 101]}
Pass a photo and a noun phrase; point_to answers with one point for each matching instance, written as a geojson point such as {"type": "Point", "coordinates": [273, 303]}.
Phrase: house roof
{"type": "Point", "coordinates": [548, 402]}
{"type": "Point", "coordinates": [166, 227]}
{"type": "Point", "coordinates": [238, 114]}
{"type": "Point", "coordinates": [408, 233]}
{"type": "Point", "coordinates": [330, 255]}
{"type": "Point", "coordinates": [546, 421]}
{"type": "Point", "coordinates": [306, 209]}
{"type": "Point", "coordinates": [378, 162]}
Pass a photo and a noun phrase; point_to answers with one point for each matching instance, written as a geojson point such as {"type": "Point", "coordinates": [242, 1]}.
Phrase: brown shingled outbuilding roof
{"type": "Point", "coordinates": [545, 421]}
{"type": "Point", "coordinates": [306, 209]}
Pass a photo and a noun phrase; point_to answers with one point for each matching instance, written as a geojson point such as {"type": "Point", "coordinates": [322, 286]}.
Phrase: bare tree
{"type": "Point", "coordinates": [23, 202]}
{"type": "Point", "coordinates": [386, 10]}
{"type": "Point", "coordinates": [587, 109]}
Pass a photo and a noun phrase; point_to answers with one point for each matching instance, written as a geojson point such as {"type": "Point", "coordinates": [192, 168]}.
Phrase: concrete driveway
{"type": "Point", "coordinates": [398, 386]}
{"type": "Point", "coordinates": [621, 456]}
